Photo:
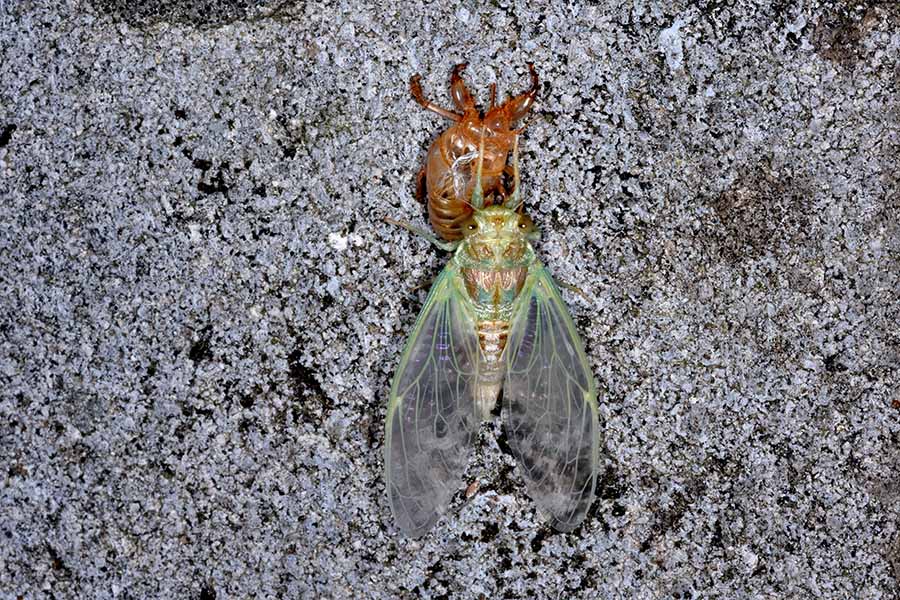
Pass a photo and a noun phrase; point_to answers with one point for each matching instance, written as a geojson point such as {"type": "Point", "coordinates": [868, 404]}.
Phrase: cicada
{"type": "Point", "coordinates": [493, 319]}
{"type": "Point", "coordinates": [447, 179]}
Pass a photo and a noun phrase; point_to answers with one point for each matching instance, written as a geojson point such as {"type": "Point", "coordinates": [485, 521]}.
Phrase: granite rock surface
{"type": "Point", "coordinates": [202, 307]}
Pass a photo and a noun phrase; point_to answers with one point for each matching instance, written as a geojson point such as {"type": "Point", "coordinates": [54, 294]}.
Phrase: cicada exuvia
{"type": "Point", "coordinates": [494, 318]}
{"type": "Point", "coordinates": [447, 180]}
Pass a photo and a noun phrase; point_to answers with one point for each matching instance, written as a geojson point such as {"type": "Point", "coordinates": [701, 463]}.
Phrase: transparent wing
{"type": "Point", "coordinates": [551, 404]}
{"type": "Point", "coordinates": [431, 416]}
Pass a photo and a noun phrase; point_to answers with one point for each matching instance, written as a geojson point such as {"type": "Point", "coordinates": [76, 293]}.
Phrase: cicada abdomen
{"type": "Point", "coordinates": [447, 179]}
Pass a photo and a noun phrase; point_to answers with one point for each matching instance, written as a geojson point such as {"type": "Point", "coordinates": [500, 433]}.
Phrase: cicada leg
{"type": "Point", "coordinates": [421, 186]}
{"type": "Point", "coordinates": [448, 246]}
{"type": "Point", "coordinates": [415, 86]}
{"type": "Point", "coordinates": [518, 107]}
{"type": "Point", "coordinates": [574, 288]}
{"type": "Point", "coordinates": [458, 90]}
{"type": "Point", "coordinates": [505, 186]}
{"type": "Point", "coordinates": [425, 285]}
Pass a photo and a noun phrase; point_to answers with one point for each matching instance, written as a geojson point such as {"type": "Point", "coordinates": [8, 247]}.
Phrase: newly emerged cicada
{"type": "Point", "coordinates": [494, 318]}
{"type": "Point", "coordinates": [447, 180]}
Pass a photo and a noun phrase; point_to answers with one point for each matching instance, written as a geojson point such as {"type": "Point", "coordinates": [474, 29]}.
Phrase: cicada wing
{"type": "Point", "coordinates": [431, 417]}
{"type": "Point", "coordinates": [551, 404]}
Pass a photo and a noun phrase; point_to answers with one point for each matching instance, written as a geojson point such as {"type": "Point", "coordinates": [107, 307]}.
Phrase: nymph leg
{"type": "Point", "coordinates": [518, 107]}
{"type": "Point", "coordinates": [458, 90]}
{"type": "Point", "coordinates": [421, 186]}
{"type": "Point", "coordinates": [415, 87]}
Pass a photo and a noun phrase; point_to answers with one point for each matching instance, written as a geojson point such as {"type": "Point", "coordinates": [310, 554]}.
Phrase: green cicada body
{"type": "Point", "coordinates": [494, 318]}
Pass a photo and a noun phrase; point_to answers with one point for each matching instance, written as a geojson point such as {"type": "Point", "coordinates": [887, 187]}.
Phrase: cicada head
{"type": "Point", "coordinates": [498, 235]}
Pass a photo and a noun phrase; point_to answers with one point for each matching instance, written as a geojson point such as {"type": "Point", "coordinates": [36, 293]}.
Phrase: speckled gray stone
{"type": "Point", "coordinates": [202, 306]}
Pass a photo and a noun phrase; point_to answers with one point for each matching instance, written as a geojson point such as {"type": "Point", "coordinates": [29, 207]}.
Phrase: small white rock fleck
{"type": "Point", "coordinates": [671, 45]}
{"type": "Point", "coordinates": [337, 241]}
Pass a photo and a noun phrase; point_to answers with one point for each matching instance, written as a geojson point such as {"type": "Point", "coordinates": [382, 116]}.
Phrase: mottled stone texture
{"type": "Point", "coordinates": [202, 306]}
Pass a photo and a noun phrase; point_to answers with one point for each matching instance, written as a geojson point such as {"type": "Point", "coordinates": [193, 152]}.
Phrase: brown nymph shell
{"type": "Point", "coordinates": [447, 179]}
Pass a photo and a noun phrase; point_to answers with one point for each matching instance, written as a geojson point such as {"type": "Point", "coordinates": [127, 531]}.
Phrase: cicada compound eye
{"type": "Point", "coordinates": [469, 226]}
{"type": "Point", "coordinates": [526, 225]}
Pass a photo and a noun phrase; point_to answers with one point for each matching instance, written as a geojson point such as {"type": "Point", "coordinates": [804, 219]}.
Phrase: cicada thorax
{"type": "Point", "coordinates": [447, 180]}
{"type": "Point", "coordinates": [494, 263]}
